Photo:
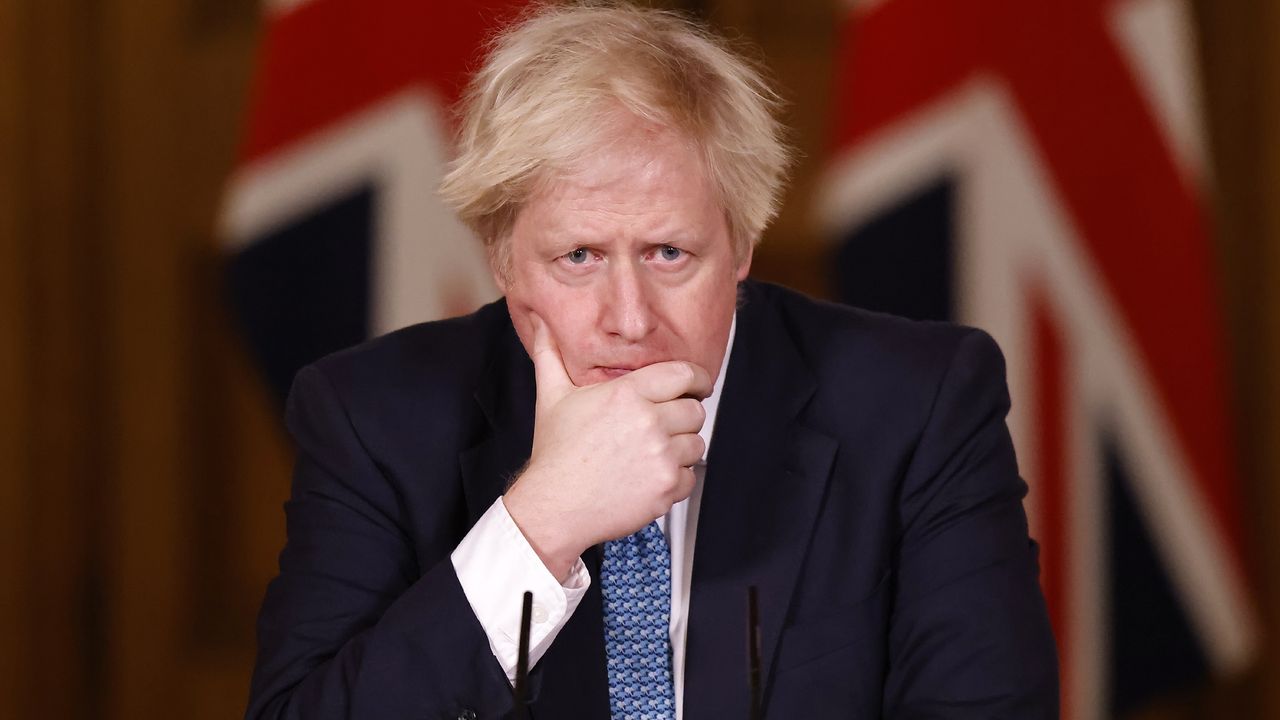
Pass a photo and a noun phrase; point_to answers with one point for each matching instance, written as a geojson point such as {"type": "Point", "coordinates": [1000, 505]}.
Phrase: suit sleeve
{"type": "Point", "coordinates": [352, 627]}
{"type": "Point", "coordinates": [970, 636]}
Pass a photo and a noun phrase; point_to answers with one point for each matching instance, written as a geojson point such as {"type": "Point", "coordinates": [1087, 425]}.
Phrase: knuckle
{"type": "Point", "coordinates": [690, 374]}
{"type": "Point", "coordinates": [682, 487]}
{"type": "Point", "coordinates": [671, 479]}
{"type": "Point", "coordinates": [620, 394]}
{"type": "Point", "coordinates": [699, 411]}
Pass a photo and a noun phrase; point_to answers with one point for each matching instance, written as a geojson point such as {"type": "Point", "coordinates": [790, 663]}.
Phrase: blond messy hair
{"type": "Point", "coordinates": [550, 90]}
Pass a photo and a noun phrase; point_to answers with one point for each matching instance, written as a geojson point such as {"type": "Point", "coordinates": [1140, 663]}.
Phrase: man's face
{"type": "Point", "coordinates": [628, 261]}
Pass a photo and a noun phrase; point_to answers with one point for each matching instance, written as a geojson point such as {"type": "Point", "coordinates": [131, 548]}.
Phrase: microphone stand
{"type": "Point", "coordinates": [522, 660]}
{"type": "Point", "coordinates": [753, 655]}
{"type": "Point", "coordinates": [753, 652]}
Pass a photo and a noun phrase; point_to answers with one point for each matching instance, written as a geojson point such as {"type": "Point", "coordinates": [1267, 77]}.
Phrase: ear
{"type": "Point", "coordinates": [500, 277]}
{"type": "Point", "coordinates": [744, 267]}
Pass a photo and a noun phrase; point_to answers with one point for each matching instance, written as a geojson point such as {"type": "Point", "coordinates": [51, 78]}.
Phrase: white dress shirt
{"type": "Point", "coordinates": [495, 565]}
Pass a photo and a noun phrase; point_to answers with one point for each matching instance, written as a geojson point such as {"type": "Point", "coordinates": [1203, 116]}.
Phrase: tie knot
{"type": "Point", "coordinates": [652, 534]}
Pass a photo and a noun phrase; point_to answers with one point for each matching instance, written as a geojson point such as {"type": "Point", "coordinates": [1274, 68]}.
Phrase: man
{"type": "Point", "coordinates": [620, 165]}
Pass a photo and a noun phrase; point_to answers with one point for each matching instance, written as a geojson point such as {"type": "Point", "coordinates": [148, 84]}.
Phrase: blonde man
{"type": "Point", "coordinates": [638, 434]}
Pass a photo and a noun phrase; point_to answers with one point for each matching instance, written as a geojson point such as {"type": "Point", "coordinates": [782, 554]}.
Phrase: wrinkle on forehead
{"type": "Point", "coordinates": [653, 184]}
{"type": "Point", "coordinates": [621, 148]}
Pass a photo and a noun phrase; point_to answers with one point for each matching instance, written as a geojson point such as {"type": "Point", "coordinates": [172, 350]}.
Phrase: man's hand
{"type": "Point", "coordinates": [607, 459]}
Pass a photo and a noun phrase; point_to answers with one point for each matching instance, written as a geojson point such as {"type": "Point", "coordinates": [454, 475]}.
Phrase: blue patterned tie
{"type": "Point", "coordinates": [635, 578]}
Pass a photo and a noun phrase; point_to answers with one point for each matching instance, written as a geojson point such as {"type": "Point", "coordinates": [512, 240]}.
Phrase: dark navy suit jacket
{"type": "Point", "coordinates": [861, 477]}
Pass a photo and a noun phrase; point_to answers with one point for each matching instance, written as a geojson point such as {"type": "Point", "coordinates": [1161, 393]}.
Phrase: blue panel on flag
{"type": "Point", "coordinates": [900, 261]}
{"type": "Point", "coordinates": [1154, 650]}
{"type": "Point", "coordinates": [302, 291]}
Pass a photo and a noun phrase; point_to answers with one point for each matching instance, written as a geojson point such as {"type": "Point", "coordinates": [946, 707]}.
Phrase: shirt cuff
{"type": "Point", "coordinates": [495, 566]}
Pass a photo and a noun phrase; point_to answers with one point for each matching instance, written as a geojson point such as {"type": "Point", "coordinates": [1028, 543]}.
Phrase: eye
{"type": "Point", "coordinates": [578, 256]}
{"type": "Point", "coordinates": [670, 254]}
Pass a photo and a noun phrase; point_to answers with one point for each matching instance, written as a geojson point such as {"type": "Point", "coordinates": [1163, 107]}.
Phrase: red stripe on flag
{"type": "Point", "coordinates": [330, 58]}
{"type": "Point", "coordinates": [1140, 222]}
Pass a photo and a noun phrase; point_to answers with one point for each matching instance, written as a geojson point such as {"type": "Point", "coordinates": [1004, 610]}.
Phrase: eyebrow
{"type": "Point", "coordinates": [570, 240]}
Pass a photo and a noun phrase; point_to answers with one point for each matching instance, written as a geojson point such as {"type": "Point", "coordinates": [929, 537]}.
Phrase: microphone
{"type": "Point", "coordinates": [753, 652]}
{"type": "Point", "coordinates": [522, 659]}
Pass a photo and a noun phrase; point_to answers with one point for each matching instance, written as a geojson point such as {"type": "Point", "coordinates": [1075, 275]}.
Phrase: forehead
{"type": "Point", "coordinates": [638, 183]}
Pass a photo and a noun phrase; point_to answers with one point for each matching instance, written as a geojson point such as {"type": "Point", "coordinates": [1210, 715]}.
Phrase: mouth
{"type": "Point", "coordinates": [613, 372]}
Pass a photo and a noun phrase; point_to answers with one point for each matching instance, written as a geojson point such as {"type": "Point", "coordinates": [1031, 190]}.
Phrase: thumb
{"type": "Point", "coordinates": [548, 367]}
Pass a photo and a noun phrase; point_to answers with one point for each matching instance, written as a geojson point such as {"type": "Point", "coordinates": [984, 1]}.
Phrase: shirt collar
{"type": "Point", "coordinates": [712, 403]}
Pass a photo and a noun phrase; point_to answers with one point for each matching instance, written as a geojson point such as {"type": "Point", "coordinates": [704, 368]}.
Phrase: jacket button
{"type": "Point", "coordinates": [467, 714]}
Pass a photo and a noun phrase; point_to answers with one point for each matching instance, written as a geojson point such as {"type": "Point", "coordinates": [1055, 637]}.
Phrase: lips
{"type": "Point", "coordinates": [613, 372]}
{"type": "Point", "coordinates": [608, 372]}
{"type": "Point", "coordinates": [603, 373]}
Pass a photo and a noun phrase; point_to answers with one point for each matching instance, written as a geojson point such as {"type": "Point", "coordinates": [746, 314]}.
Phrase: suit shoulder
{"type": "Point", "coordinates": [889, 343]}
{"type": "Point", "coordinates": [446, 354]}
{"type": "Point", "coordinates": [875, 371]}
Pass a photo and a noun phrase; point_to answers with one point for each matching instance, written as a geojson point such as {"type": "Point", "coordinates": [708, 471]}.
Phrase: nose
{"type": "Point", "coordinates": [626, 305]}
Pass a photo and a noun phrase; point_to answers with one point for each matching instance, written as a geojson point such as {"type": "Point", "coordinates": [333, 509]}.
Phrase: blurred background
{"type": "Point", "coordinates": [198, 196]}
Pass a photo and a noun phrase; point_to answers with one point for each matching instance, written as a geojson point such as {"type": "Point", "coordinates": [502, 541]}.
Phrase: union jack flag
{"type": "Point", "coordinates": [334, 229]}
{"type": "Point", "coordinates": [1037, 169]}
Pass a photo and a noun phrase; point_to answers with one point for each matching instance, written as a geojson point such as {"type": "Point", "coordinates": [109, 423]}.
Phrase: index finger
{"type": "Point", "coordinates": [669, 380]}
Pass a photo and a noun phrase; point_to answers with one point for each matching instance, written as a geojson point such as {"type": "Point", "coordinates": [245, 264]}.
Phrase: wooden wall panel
{"type": "Point", "coordinates": [56, 331]}
{"type": "Point", "coordinates": [244, 457]}
{"type": "Point", "coordinates": [13, 365]}
{"type": "Point", "coordinates": [1265, 381]}
{"type": "Point", "coordinates": [151, 393]}
{"type": "Point", "coordinates": [174, 81]}
{"type": "Point", "coordinates": [797, 42]}
{"type": "Point", "coordinates": [1242, 89]}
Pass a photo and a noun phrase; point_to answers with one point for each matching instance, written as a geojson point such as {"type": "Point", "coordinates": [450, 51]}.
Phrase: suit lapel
{"type": "Point", "coordinates": [506, 396]}
{"type": "Point", "coordinates": [766, 476]}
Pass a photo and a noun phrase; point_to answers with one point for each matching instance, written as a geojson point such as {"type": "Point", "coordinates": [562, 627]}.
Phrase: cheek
{"type": "Point", "coordinates": [532, 295]}
{"type": "Point", "coordinates": [570, 320]}
{"type": "Point", "coordinates": [714, 323]}
{"type": "Point", "coordinates": [703, 332]}
{"type": "Point", "coordinates": [563, 309]}
{"type": "Point", "coordinates": [713, 327]}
